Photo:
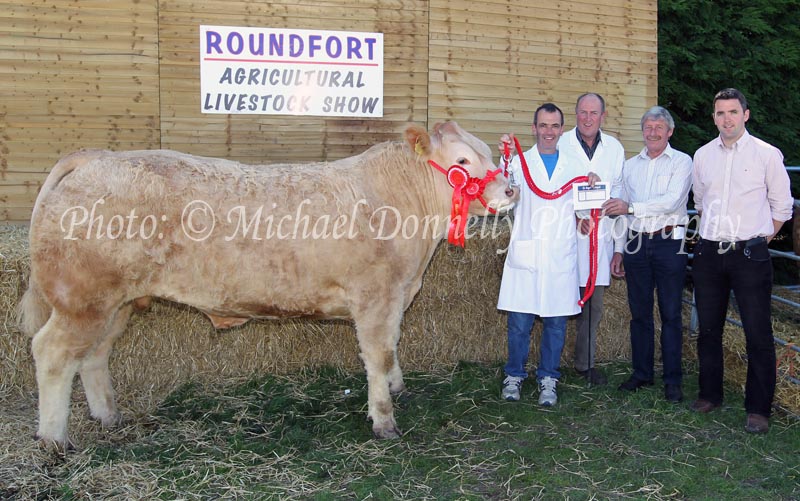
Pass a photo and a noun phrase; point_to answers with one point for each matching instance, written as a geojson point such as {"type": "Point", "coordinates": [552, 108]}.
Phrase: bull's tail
{"type": "Point", "coordinates": [60, 170]}
{"type": "Point", "coordinates": [33, 310]}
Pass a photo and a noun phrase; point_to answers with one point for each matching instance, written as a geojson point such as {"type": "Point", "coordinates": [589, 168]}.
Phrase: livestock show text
{"type": "Point", "coordinates": [291, 72]}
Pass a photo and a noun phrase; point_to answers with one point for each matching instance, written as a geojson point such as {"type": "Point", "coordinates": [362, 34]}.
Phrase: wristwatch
{"type": "Point", "coordinates": [630, 209]}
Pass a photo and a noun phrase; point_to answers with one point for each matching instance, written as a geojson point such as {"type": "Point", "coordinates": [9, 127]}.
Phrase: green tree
{"type": "Point", "coordinates": [753, 45]}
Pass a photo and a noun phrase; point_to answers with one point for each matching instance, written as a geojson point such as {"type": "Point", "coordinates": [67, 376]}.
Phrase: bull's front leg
{"type": "Point", "coordinates": [378, 334]}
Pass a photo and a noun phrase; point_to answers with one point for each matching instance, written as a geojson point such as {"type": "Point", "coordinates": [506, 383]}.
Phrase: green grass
{"type": "Point", "coordinates": [303, 436]}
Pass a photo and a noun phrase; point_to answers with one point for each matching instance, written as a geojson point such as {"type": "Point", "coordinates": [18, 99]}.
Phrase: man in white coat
{"type": "Point", "coordinates": [540, 275]}
{"type": "Point", "coordinates": [604, 155]}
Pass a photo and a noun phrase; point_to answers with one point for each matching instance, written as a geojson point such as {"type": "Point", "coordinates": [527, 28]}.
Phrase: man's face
{"type": "Point", "coordinates": [729, 117]}
{"type": "Point", "coordinates": [656, 134]}
{"type": "Point", "coordinates": [590, 116]}
{"type": "Point", "coordinates": [547, 129]}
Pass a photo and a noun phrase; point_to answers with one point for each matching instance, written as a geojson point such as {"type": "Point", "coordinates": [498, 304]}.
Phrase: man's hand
{"type": "Point", "coordinates": [593, 178]}
{"type": "Point", "coordinates": [584, 226]}
{"type": "Point", "coordinates": [615, 207]}
{"type": "Point", "coordinates": [506, 140]}
{"type": "Point", "coordinates": [617, 268]}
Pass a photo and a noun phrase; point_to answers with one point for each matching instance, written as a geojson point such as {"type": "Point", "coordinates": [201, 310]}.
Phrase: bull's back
{"type": "Point", "coordinates": [228, 238]}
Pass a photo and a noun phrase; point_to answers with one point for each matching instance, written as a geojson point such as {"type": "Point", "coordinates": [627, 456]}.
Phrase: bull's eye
{"type": "Point", "coordinates": [463, 161]}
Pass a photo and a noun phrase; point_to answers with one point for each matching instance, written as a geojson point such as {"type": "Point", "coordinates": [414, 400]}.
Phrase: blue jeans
{"type": "Point", "coordinates": [658, 263]}
{"type": "Point", "coordinates": [519, 343]}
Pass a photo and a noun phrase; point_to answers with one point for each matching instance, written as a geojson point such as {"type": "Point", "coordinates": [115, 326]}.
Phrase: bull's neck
{"type": "Point", "coordinates": [417, 187]}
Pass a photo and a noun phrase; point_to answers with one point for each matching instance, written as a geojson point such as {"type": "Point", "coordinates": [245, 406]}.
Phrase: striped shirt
{"type": "Point", "coordinates": [658, 189]}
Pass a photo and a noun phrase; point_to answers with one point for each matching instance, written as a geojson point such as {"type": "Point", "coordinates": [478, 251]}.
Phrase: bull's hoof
{"type": "Point", "coordinates": [55, 447]}
{"type": "Point", "coordinates": [390, 432]}
{"type": "Point", "coordinates": [111, 422]}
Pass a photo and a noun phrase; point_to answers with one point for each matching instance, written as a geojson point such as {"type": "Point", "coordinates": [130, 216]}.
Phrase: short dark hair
{"type": "Point", "coordinates": [587, 94]}
{"type": "Point", "coordinates": [731, 93]}
{"type": "Point", "coordinates": [549, 108]}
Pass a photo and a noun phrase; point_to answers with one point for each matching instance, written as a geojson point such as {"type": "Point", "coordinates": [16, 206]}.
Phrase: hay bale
{"type": "Point", "coordinates": [453, 318]}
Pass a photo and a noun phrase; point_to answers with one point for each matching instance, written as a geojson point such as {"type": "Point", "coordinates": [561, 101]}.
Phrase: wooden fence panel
{"type": "Point", "coordinates": [125, 75]}
{"type": "Point", "coordinates": [493, 62]}
{"type": "Point", "coordinates": [74, 75]}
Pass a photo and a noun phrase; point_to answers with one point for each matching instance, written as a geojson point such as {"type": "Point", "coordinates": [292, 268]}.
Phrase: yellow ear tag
{"type": "Point", "coordinates": [418, 149]}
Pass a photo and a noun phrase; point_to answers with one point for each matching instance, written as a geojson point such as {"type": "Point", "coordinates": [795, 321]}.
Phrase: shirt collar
{"type": "Point", "coordinates": [586, 148]}
{"type": "Point", "coordinates": [668, 151]}
{"type": "Point", "coordinates": [740, 143]}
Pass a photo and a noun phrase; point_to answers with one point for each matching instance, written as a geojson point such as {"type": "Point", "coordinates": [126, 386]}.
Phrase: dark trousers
{"type": "Point", "coordinates": [659, 263]}
{"type": "Point", "coordinates": [747, 271]}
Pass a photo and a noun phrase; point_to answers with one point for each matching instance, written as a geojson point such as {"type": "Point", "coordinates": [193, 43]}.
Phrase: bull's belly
{"type": "Point", "coordinates": [266, 312]}
{"type": "Point", "coordinates": [236, 311]}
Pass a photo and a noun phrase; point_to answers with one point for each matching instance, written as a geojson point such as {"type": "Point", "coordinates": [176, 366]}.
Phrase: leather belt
{"type": "Point", "coordinates": [663, 231]}
{"type": "Point", "coordinates": [724, 247]}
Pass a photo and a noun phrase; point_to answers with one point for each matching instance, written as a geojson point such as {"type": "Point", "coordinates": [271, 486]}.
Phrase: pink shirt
{"type": "Point", "coordinates": [741, 189]}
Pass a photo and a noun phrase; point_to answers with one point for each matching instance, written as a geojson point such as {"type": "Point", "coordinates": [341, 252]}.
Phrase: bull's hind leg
{"type": "Point", "coordinates": [96, 377]}
{"type": "Point", "coordinates": [57, 350]}
{"type": "Point", "coordinates": [378, 333]}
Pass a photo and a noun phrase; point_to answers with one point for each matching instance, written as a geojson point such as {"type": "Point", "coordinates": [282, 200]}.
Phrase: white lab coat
{"type": "Point", "coordinates": [607, 162]}
{"type": "Point", "coordinates": [540, 275]}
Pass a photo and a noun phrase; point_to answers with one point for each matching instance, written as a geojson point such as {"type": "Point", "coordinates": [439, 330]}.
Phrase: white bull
{"type": "Point", "coordinates": [348, 239]}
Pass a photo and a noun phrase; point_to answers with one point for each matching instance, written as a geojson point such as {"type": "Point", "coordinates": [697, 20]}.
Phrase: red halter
{"type": "Point", "coordinates": [595, 214]}
{"type": "Point", "coordinates": [465, 190]}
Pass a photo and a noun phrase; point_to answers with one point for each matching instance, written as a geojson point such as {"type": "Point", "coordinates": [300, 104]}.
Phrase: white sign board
{"type": "Point", "coordinates": [587, 197]}
{"type": "Point", "coordinates": [291, 72]}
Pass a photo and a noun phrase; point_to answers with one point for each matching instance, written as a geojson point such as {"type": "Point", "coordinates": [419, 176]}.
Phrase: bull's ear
{"type": "Point", "coordinates": [419, 140]}
{"type": "Point", "coordinates": [447, 127]}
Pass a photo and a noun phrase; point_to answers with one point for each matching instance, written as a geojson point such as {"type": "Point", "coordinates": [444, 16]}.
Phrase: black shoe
{"type": "Point", "coordinates": [633, 384]}
{"type": "Point", "coordinates": [673, 393]}
{"type": "Point", "coordinates": [593, 376]}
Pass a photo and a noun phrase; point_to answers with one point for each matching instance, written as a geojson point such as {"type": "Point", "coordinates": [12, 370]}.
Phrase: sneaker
{"type": "Point", "coordinates": [547, 394]}
{"type": "Point", "coordinates": [511, 386]}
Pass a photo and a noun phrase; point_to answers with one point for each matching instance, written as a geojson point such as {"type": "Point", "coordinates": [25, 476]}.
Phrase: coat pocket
{"type": "Point", "coordinates": [524, 255]}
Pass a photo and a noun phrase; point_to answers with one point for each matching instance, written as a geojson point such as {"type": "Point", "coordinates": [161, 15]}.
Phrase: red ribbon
{"type": "Point", "coordinates": [506, 158]}
{"type": "Point", "coordinates": [465, 190]}
{"type": "Point", "coordinates": [595, 214]}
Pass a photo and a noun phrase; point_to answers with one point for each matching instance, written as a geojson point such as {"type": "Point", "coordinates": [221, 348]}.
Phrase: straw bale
{"type": "Point", "coordinates": [453, 318]}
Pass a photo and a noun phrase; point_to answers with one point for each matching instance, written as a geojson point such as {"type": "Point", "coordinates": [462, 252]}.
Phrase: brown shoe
{"type": "Point", "coordinates": [703, 406]}
{"type": "Point", "coordinates": [756, 423]}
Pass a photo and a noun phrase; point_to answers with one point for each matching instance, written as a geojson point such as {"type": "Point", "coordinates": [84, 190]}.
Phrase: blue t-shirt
{"type": "Point", "coordinates": [550, 160]}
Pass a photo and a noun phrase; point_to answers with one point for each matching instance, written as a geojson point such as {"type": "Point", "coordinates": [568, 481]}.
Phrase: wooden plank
{"type": "Point", "coordinates": [338, 13]}
{"type": "Point", "coordinates": [218, 6]}
{"type": "Point", "coordinates": [639, 8]}
{"type": "Point", "coordinates": [491, 50]}
{"type": "Point", "coordinates": [527, 15]}
{"type": "Point", "coordinates": [17, 214]}
{"type": "Point", "coordinates": [21, 177]}
{"type": "Point", "coordinates": [320, 21]}
{"type": "Point", "coordinates": [510, 89]}
{"type": "Point", "coordinates": [80, 57]}
{"type": "Point", "coordinates": [67, 8]}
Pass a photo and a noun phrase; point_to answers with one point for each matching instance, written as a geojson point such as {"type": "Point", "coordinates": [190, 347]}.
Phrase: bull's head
{"type": "Point", "coordinates": [467, 168]}
{"type": "Point", "coordinates": [449, 145]}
